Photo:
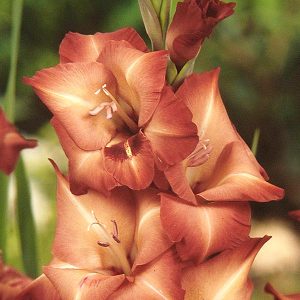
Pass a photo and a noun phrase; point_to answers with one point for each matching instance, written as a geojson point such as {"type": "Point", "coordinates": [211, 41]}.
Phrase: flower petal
{"type": "Point", "coordinates": [86, 168]}
{"type": "Point", "coordinates": [279, 296]}
{"type": "Point", "coordinates": [84, 221]}
{"type": "Point", "coordinates": [150, 238]}
{"type": "Point", "coordinates": [11, 143]}
{"type": "Point", "coordinates": [179, 182]}
{"type": "Point", "coordinates": [140, 76]}
{"type": "Point", "coordinates": [171, 127]}
{"type": "Point", "coordinates": [157, 280]}
{"type": "Point", "coordinates": [40, 286]}
{"type": "Point", "coordinates": [235, 178]}
{"type": "Point", "coordinates": [81, 284]}
{"type": "Point", "coordinates": [76, 47]}
{"type": "Point", "coordinates": [131, 162]}
{"type": "Point", "coordinates": [228, 274]}
{"type": "Point", "coordinates": [69, 91]}
{"type": "Point", "coordinates": [209, 229]}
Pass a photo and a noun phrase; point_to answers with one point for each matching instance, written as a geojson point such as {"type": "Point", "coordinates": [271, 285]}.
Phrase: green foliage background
{"type": "Point", "coordinates": [257, 49]}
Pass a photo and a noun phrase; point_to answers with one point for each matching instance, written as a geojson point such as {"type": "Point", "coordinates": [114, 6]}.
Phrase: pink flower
{"type": "Point", "coordinates": [11, 143]}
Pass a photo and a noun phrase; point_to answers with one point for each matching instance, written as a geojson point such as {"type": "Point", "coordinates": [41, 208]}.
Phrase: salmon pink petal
{"type": "Point", "coordinates": [11, 143]}
{"type": "Point", "coordinates": [81, 284]}
{"type": "Point", "coordinates": [40, 286]}
{"type": "Point", "coordinates": [228, 274]}
{"type": "Point", "coordinates": [279, 296]}
{"type": "Point", "coordinates": [70, 93]}
{"type": "Point", "coordinates": [76, 47]}
{"type": "Point", "coordinates": [86, 168]}
{"type": "Point", "coordinates": [140, 76]}
{"type": "Point", "coordinates": [150, 239]}
{"type": "Point", "coordinates": [235, 178]}
{"type": "Point", "coordinates": [87, 222]}
{"type": "Point", "coordinates": [204, 230]}
{"type": "Point", "coordinates": [295, 214]}
{"type": "Point", "coordinates": [171, 127]}
{"type": "Point", "coordinates": [180, 184]}
{"type": "Point", "coordinates": [131, 162]}
{"type": "Point", "coordinates": [157, 280]}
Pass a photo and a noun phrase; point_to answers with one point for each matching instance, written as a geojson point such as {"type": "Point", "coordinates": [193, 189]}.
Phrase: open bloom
{"type": "Point", "coordinates": [11, 282]}
{"type": "Point", "coordinates": [119, 108]}
{"type": "Point", "coordinates": [194, 21]}
{"type": "Point", "coordinates": [11, 143]}
{"type": "Point", "coordinates": [215, 182]}
{"type": "Point", "coordinates": [222, 167]}
{"type": "Point", "coordinates": [111, 247]}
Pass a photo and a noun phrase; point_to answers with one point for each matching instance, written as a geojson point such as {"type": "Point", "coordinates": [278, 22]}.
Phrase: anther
{"type": "Point", "coordinates": [103, 244]}
{"type": "Point", "coordinates": [115, 234]}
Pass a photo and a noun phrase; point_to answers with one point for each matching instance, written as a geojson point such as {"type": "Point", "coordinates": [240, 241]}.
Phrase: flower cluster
{"type": "Point", "coordinates": [155, 204]}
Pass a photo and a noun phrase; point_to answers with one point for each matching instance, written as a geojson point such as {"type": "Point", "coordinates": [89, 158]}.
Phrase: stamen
{"type": "Point", "coordinates": [201, 154]}
{"type": "Point", "coordinates": [112, 107]}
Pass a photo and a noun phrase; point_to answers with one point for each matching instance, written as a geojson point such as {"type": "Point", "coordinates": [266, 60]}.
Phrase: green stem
{"type": "Point", "coordinates": [26, 221]}
{"type": "Point", "coordinates": [3, 212]}
{"type": "Point", "coordinates": [10, 95]}
{"type": "Point", "coordinates": [255, 141]}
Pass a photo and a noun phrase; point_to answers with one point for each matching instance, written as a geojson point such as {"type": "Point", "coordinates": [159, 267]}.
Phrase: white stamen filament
{"type": "Point", "coordinates": [112, 107]}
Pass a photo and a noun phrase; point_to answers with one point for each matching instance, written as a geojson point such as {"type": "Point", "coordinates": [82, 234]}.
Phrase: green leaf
{"type": "Point", "coordinates": [4, 180]}
{"type": "Point", "coordinates": [255, 141]}
{"type": "Point", "coordinates": [10, 94]}
{"type": "Point", "coordinates": [25, 221]}
{"type": "Point", "coordinates": [152, 24]}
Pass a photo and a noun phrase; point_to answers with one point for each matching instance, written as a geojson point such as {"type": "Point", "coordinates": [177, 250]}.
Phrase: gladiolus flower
{"type": "Point", "coordinates": [113, 246]}
{"type": "Point", "coordinates": [222, 167]}
{"type": "Point", "coordinates": [118, 108]}
{"type": "Point", "coordinates": [11, 143]}
{"type": "Point", "coordinates": [11, 282]}
{"type": "Point", "coordinates": [194, 21]}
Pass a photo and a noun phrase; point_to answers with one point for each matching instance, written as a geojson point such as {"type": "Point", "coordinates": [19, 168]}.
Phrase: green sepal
{"type": "Point", "coordinates": [152, 24]}
{"type": "Point", "coordinates": [186, 70]}
{"type": "Point", "coordinates": [157, 5]}
{"type": "Point", "coordinates": [171, 72]}
{"type": "Point", "coordinates": [164, 16]}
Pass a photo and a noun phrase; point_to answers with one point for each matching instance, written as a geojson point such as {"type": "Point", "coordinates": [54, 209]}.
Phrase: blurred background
{"type": "Point", "coordinates": [258, 49]}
